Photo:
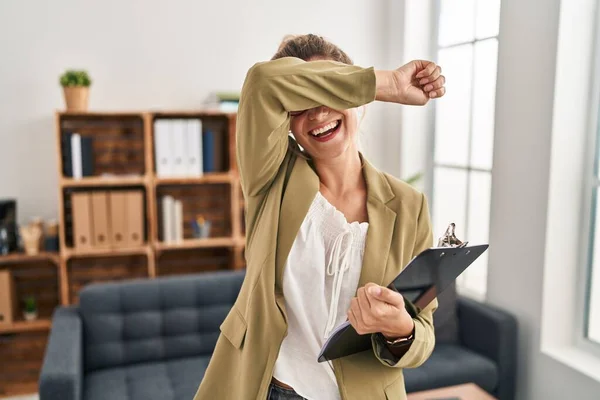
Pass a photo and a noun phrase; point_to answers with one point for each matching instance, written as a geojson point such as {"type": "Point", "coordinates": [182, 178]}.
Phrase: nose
{"type": "Point", "coordinates": [318, 113]}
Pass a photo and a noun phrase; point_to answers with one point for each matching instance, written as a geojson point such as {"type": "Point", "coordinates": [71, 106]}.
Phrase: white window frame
{"type": "Point", "coordinates": [591, 191]}
{"type": "Point", "coordinates": [468, 168]}
{"type": "Point", "coordinates": [574, 129]}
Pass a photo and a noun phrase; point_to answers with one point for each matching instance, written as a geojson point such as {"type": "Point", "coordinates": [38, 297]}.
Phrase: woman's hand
{"type": "Point", "coordinates": [412, 84]}
{"type": "Point", "coordinates": [379, 309]}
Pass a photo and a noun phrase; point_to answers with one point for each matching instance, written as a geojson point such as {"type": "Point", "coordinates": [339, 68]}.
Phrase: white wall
{"type": "Point", "coordinates": [522, 149]}
{"type": "Point", "coordinates": [146, 54]}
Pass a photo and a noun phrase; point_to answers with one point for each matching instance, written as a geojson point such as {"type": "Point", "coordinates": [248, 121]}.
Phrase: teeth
{"type": "Point", "coordinates": [327, 127]}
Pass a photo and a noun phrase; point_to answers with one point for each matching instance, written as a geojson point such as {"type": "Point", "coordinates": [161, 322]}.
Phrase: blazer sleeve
{"type": "Point", "coordinates": [274, 88]}
{"type": "Point", "coordinates": [424, 335]}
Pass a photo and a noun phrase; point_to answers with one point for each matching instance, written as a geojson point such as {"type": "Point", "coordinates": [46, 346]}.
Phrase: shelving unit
{"type": "Point", "coordinates": [217, 194]}
{"type": "Point", "coordinates": [22, 343]}
{"type": "Point", "coordinates": [124, 159]}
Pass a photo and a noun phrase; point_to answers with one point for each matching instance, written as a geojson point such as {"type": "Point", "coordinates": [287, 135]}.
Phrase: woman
{"type": "Point", "coordinates": [326, 232]}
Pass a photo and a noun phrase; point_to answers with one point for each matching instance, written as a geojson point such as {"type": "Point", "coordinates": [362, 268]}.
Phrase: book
{"type": "Point", "coordinates": [67, 163]}
{"type": "Point", "coordinates": [167, 218]}
{"type": "Point", "coordinates": [208, 151]}
{"type": "Point", "coordinates": [178, 220]}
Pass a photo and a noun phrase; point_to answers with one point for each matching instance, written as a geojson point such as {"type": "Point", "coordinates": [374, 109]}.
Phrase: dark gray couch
{"type": "Point", "coordinates": [152, 339]}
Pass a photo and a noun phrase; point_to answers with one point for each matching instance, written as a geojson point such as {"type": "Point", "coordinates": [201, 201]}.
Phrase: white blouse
{"type": "Point", "coordinates": [320, 278]}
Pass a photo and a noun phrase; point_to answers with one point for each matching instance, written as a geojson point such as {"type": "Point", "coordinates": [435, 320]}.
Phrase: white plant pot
{"type": "Point", "coordinates": [30, 316]}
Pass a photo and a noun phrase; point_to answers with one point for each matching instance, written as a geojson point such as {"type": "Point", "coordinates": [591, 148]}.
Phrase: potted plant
{"type": "Point", "coordinates": [30, 310]}
{"type": "Point", "coordinates": [76, 86]}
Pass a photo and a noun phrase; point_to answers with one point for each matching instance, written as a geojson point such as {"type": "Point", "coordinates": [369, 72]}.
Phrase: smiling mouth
{"type": "Point", "coordinates": [326, 130]}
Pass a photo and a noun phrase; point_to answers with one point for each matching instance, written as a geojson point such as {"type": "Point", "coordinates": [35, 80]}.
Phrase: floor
{"type": "Point", "coordinates": [28, 397]}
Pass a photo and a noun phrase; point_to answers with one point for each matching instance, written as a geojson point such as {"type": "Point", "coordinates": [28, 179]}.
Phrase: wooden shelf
{"type": "Point", "coordinates": [14, 258]}
{"type": "Point", "coordinates": [207, 112]}
{"type": "Point", "coordinates": [212, 177]}
{"type": "Point", "coordinates": [103, 181]}
{"type": "Point", "coordinates": [100, 114]}
{"type": "Point", "coordinates": [197, 243]}
{"type": "Point", "coordinates": [131, 251]}
{"type": "Point", "coordinates": [26, 326]}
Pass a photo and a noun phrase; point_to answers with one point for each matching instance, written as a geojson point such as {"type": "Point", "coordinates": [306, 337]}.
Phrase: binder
{"type": "Point", "coordinates": [81, 210]}
{"type": "Point", "coordinates": [135, 217]}
{"type": "Point", "coordinates": [194, 147]}
{"type": "Point", "coordinates": [178, 220]}
{"type": "Point", "coordinates": [66, 154]}
{"type": "Point", "coordinates": [423, 279]}
{"type": "Point", "coordinates": [8, 299]}
{"type": "Point", "coordinates": [87, 156]}
{"type": "Point", "coordinates": [76, 166]}
{"type": "Point", "coordinates": [100, 220]}
{"type": "Point", "coordinates": [178, 154]}
{"type": "Point", "coordinates": [162, 147]}
{"type": "Point", "coordinates": [167, 218]}
{"type": "Point", "coordinates": [208, 151]}
{"type": "Point", "coordinates": [219, 152]}
{"type": "Point", "coordinates": [118, 218]}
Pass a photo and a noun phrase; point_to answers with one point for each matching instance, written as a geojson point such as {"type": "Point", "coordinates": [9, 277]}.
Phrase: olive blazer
{"type": "Point", "coordinates": [279, 187]}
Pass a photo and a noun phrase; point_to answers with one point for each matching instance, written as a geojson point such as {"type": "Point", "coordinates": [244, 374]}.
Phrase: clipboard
{"type": "Point", "coordinates": [423, 279]}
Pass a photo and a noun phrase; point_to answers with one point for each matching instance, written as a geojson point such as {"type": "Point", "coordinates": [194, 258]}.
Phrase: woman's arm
{"type": "Point", "coordinates": [271, 90]}
{"type": "Point", "coordinates": [423, 335]}
{"type": "Point", "coordinates": [274, 88]}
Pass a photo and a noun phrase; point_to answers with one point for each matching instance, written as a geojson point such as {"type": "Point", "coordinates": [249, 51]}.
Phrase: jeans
{"type": "Point", "coordinates": [279, 393]}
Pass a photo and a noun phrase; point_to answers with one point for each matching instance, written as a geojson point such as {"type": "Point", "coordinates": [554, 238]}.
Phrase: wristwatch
{"type": "Point", "coordinates": [402, 341]}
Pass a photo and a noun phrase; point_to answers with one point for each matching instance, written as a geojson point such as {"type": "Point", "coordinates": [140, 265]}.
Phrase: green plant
{"type": "Point", "coordinates": [414, 178]}
{"type": "Point", "coordinates": [75, 78]}
{"type": "Point", "coordinates": [30, 304]}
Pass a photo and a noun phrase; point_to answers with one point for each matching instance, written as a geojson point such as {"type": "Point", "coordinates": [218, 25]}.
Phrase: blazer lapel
{"type": "Point", "coordinates": [381, 226]}
{"type": "Point", "coordinates": [301, 190]}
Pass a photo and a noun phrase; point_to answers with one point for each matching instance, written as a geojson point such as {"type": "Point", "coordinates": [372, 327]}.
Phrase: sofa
{"type": "Point", "coordinates": [153, 339]}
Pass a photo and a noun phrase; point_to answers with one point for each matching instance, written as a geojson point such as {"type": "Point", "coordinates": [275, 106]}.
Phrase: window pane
{"type": "Point", "coordinates": [474, 279]}
{"type": "Point", "coordinates": [477, 232]}
{"type": "Point", "coordinates": [478, 225]}
{"type": "Point", "coordinates": [453, 111]}
{"type": "Point", "coordinates": [449, 200]}
{"type": "Point", "coordinates": [484, 96]}
{"type": "Point", "coordinates": [593, 327]}
{"type": "Point", "coordinates": [457, 22]}
{"type": "Point", "coordinates": [488, 18]}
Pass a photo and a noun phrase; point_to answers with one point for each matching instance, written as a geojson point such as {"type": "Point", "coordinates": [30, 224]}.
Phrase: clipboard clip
{"type": "Point", "coordinates": [449, 238]}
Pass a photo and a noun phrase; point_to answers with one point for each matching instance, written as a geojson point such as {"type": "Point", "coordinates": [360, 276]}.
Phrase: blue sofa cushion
{"type": "Point", "coordinates": [445, 318]}
{"type": "Point", "coordinates": [452, 365]}
{"type": "Point", "coordinates": [167, 380]}
{"type": "Point", "coordinates": [155, 320]}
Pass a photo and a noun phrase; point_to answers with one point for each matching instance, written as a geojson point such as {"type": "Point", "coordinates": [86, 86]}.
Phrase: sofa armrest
{"type": "Point", "coordinates": [491, 332]}
{"type": "Point", "coordinates": [62, 369]}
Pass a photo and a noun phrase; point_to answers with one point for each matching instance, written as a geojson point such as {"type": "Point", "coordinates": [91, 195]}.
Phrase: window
{"type": "Point", "coordinates": [592, 317]}
{"type": "Point", "coordinates": [464, 127]}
